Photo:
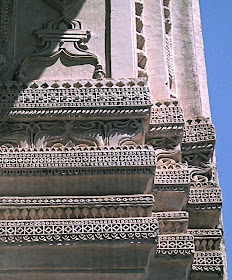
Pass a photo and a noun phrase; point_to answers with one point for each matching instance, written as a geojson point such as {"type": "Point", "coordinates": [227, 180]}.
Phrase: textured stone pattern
{"type": "Point", "coordinates": [93, 158]}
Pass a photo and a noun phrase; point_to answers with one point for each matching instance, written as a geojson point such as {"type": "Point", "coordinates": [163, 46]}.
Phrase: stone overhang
{"type": "Point", "coordinates": [88, 99]}
{"type": "Point", "coordinates": [75, 207]}
{"type": "Point", "coordinates": [73, 171]}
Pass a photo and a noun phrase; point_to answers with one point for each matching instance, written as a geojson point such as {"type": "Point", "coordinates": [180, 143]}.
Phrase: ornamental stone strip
{"type": "Point", "coordinates": [78, 230]}
{"type": "Point", "coordinates": [175, 245]}
{"type": "Point", "coordinates": [207, 262]}
{"type": "Point", "coordinates": [60, 98]}
{"type": "Point", "coordinates": [29, 208]}
{"type": "Point", "coordinates": [73, 158]}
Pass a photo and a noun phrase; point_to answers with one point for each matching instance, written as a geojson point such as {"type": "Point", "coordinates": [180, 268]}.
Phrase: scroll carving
{"type": "Point", "coordinates": [71, 134]}
{"type": "Point", "coordinates": [62, 38]}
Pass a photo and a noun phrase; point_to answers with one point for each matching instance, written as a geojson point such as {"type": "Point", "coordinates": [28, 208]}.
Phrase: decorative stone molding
{"type": "Point", "coordinates": [168, 173]}
{"type": "Point", "coordinates": [78, 230]}
{"type": "Point", "coordinates": [175, 245]}
{"type": "Point", "coordinates": [205, 196]}
{"type": "Point", "coordinates": [167, 115]}
{"type": "Point", "coordinates": [198, 142]}
{"type": "Point", "coordinates": [206, 239]}
{"type": "Point", "coordinates": [66, 133]}
{"type": "Point", "coordinates": [74, 158]}
{"type": "Point", "coordinates": [141, 42]}
{"type": "Point", "coordinates": [207, 262]}
{"type": "Point", "coordinates": [140, 200]}
{"type": "Point", "coordinates": [75, 99]}
{"type": "Point", "coordinates": [169, 46]}
{"type": "Point", "coordinates": [35, 208]}
{"type": "Point", "coordinates": [172, 222]}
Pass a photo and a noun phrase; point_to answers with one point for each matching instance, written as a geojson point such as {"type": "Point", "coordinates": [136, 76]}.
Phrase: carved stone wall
{"type": "Point", "coordinates": [106, 172]}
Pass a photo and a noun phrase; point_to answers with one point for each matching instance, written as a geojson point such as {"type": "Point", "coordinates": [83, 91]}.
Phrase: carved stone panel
{"type": "Point", "coordinates": [60, 39]}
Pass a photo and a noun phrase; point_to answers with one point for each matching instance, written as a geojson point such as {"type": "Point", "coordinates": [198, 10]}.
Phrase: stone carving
{"type": "Point", "coordinates": [175, 245]}
{"type": "Point", "coordinates": [169, 114]}
{"type": "Point", "coordinates": [202, 179]}
{"type": "Point", "coordinates": [169, 47]}
{"type": "Point", "coordinates": [141, 45]}
{"type": "Point", "coordinates": [198, 142]}
{"type": "Point", "coordinates": [206, 239]}
{"type": "Point", "coordinates": [144, 200]}
{"type": "Point", "coordinates": [205, 196]}
{"type": "Point", "coordinates": [168, 172]}
{"type": "Point", "coordinates": [30, 208]}
{"type": "Point", "coordinates": [62, 38]}
{"type": "Point", "coordinates": [172, 222]}
{"type": "Point", "coordinates": [71, 133]}
{"type": "Point", "coordinates": [78, 230]}
{"type": "Point", "coordinates": [207, 262]}
{"type": "Point", "coordinates": [4, 22]}
{"type": "Point", "coordinates": [85, 97]}
{"type": "Point", "coordinates": [74, 158]}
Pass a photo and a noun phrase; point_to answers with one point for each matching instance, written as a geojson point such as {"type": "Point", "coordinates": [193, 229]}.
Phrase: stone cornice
{"type": "Point", "coordinates": [75, 98]}
{"type": "Point", "coordinates": [78, 200]}
{"type": "Point", "coordinates": [175, 245]}
{"type": "Point", "coordinates": [205, 196]}
{"type": "Point", "coordinates": [38, 208]}
{"type": "Point", "coordinates": [207, 262]}
{"type": "Point", "coordinates": [74, 158]}
{"type": "Point", "coordinates": [57, 231]}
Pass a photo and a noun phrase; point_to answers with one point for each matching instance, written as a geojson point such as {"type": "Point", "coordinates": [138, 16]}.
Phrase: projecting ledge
{"type": "Point", "coordinates": [77, 244]}
{"type": "Point", "coordinates": [76, 171]}
{"type": "Point", "coordinates": [107, 98]}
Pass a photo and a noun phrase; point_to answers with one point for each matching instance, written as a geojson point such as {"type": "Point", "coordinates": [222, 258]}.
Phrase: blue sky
{"type": "Point", "coordinates": [217, 33]}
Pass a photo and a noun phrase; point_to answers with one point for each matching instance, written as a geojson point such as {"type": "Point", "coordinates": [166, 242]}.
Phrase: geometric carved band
{"type": "Point", "coordinates": [73, 158]}
{"type": "Point", "coordinates": [78, 200]}
{"type": "Point", "coordinates": [175, 244]}
{"type": "Point", "coordinates": [208, 261]}
{"type": "Point", "coordinates": [78, 230]}
{"type": "Point", "coordinates": [83, 94]}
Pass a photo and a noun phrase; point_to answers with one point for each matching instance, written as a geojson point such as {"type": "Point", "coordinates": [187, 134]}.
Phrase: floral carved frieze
{"type": "Point", "coordinates": [37, 208]}
{"type": "Point", "coordinates": [175, 245]}
{"type": "Point", "coordinates": [106, 97]}
{"type": "Point", "coordinates": [75, 158]}
{"type": "Point", "coordinates": [71, 133]}
{"type": "Point", "coordinates": [78, 230]}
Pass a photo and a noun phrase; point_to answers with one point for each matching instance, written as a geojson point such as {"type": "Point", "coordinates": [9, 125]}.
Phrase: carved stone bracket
{"type": "Point", "coordinates": [198, 142]}
{"type": "Point", "coordinates": [60, 38]}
